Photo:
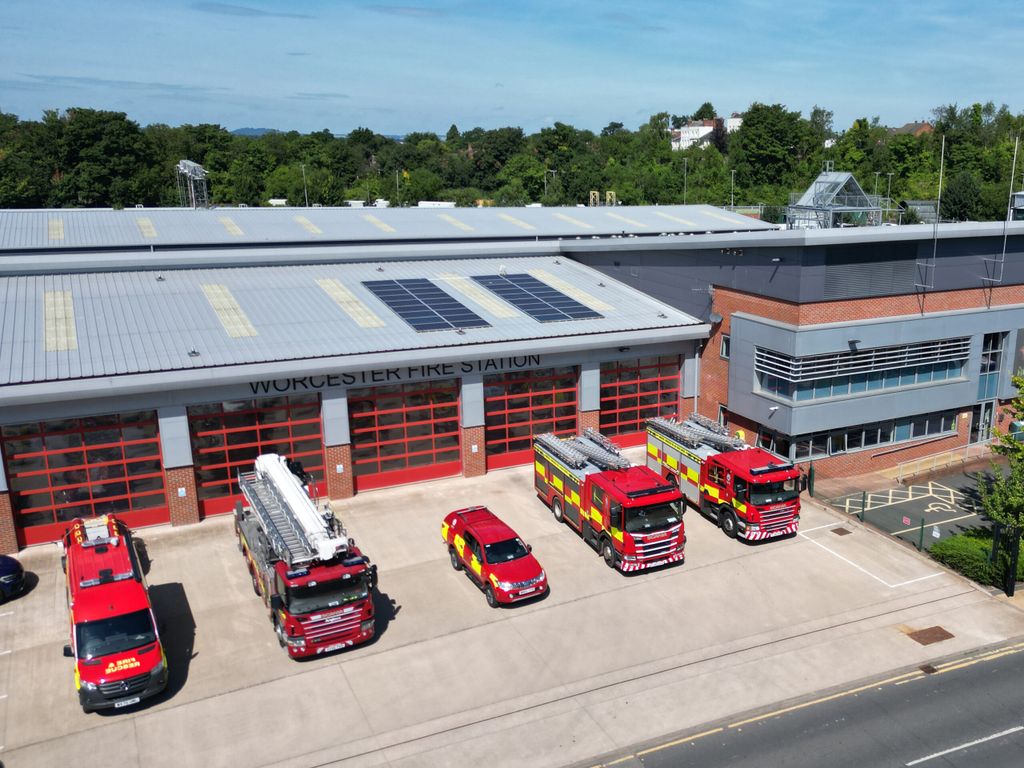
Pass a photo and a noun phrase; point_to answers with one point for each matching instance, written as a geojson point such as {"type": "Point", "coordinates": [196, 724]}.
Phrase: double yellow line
{"type": "Point", "coordinates": [908, 677]}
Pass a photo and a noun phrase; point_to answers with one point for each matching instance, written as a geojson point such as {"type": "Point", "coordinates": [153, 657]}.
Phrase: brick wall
{"type": "Point", "coordinates": [586, 419]}
{"type": "Point", "coordinates": [339, 486]}
{"type": "Point", "coordinates": [8, 538]}
{"type": "Point", "coordinates": [473, 464]}
{"type": "Point", "coordinates": [184, 509]}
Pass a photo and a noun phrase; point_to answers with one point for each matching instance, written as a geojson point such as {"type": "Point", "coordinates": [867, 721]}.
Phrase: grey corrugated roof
{"type": "Point", "coordinates": [135, 322]}
{"type": "Point", "coordinates": [68, 228]}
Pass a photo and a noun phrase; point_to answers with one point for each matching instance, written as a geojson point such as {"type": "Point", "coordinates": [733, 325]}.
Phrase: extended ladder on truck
{"type": "Point", "coordinates": [591, 446]}
{"type": "Point", "coordinates": [297, 531]}
{"type": "Point", "coordinates": [695, 433]}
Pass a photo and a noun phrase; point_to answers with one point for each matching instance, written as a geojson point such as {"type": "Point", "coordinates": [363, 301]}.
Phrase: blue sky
{"type": "Point", "coordinates": [403, 65]}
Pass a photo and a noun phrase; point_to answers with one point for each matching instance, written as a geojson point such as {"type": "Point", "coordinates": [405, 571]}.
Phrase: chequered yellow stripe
{"type": "Point", "coordinates": [471, 290]}
{"type": "Point", "coordinates": [59, 322]}
{"type": "Point", "coordinates": [230, 226]}
{"type": "Point", "coordinates": [349, 302]}
{"type": "Point", "coordinates": [514, 220]}
{"type": "Point", "coordinates": [571, 290]}
{"type": "Point", "coordinates": [308, 225]}
{"type": "Point", "coordinates": [145, 225]}
{"type": "Point", "coordinates": [230, 313]}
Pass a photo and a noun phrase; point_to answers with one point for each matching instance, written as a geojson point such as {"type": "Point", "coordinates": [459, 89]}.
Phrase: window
{"type": "Point", "coordinates": [726, 347]}
{"type": "Point", "coordinates": [865, 435]}
{"type": "Point", "coordinates": [723, 415]}
{"type": "Point", "coordinates": [991, 363]}
{"type": "Point", "coordinates": [597, 498]}
{"type": "Point", "coordinates": [716, 475]}
{"type": "Point", "coordinates": [633, 391]}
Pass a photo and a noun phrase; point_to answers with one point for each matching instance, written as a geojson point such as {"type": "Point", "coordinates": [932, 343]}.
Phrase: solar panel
{"type": "Point", "coordinates": [423, 305]}
{"type": "Point", "coordinates": [536, 298]}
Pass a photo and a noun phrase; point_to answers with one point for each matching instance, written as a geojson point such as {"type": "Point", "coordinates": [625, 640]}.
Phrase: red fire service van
{"type": "Point", "coordinates": [495, 558]}
{"type": "Point", "coordinates": [751, 493]}
{"type": "Point", "coordinates": [114, 640]}
{"type": "Point", "coordinates": [313, 579]}
{"type": "Point", "coordinates": [630, 514]}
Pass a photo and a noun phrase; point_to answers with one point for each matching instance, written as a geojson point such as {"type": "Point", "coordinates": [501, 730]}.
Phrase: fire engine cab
{"type": "Point", "coordinates": [751, 493]}
{"type": "Point", "coordinates": [630, 514]}
{"type": "Point", "coordinates": [114, 639]}
{"type": "Point", "coordinates": [314, 581]}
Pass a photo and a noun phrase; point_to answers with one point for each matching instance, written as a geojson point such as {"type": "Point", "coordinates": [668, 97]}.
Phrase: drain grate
{"type": "Point", "coordinates": [841, 532]}
{"type": "Point", "coordinates": [930, 635]}
{"type": "Point", "coordinates": [928, 669]}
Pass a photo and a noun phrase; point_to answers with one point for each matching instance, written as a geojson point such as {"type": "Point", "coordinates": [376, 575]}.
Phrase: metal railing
{"type": "Point", "coordinates": [925, 464]}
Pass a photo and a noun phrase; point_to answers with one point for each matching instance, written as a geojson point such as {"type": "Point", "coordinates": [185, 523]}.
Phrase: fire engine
{"type": "Point", "coordinates": [628, 513]}
{"type": "Point", "coordinates": [314, 581]}
{"type": "Point", "coordinates": [119, 659]}
{"type": "Point", "coordinates": [751, 493]}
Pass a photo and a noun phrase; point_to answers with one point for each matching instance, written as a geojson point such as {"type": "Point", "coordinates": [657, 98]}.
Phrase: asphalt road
{"type": "Point", "coordinates": [968, 713]}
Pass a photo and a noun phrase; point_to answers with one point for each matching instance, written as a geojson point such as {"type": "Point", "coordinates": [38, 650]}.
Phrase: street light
{"type": "Point", "coordinates": [876, 182]}
{"type": "Point", "coordinates": [686, 166]}
{"type": "Point", "coordinates": [888, 189]}
{"type": "Point", "coordinates": [552, 171]}
{"type": "Point", "coordinates": [305, 191]}
{"type": "Point", "coordinates": [732, 193]}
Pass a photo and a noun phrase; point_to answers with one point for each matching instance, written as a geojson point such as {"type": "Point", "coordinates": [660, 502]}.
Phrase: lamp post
{"type": "Point", "coordinates": [876, 182]}
{"type": "Point", "coordinates": [686, 167]}
{"type": "Point", "coordinates": [552, 171]}
{"type": "Point", "coordinates": [732, 192]}
{"type": "Point", "coordinates": [305, 191]}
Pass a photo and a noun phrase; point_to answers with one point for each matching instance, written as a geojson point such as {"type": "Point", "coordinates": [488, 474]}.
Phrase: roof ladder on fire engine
{"type": "Point", "coordinates": [299, 532]}
{"type": "Point", "coordinates": [562, 449]}
{"type": "Point", "coordinates": [600, 450]}
{"type": "Point", "coordinates": [694, 434]}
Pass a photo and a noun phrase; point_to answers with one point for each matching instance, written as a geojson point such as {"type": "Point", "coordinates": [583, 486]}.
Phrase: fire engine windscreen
{"type": "Point", "coordinates": [655, 517]}
{"type": "Point", "coordinates": [774, 493]}
{"type": "Point", "coordinates": [326, 594]}
{"type": "Point", "coordinates": [505, 551]}
{"type": "Point", "coordinates": [114, 635]}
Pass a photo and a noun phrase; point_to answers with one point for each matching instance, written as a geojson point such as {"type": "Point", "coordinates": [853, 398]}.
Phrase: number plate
{"type": "Point", "coordinates": [127, 702]}
{"type": "Point", "coordinates": [656, 563]}
{"type": "Point", "coordinates": [527, 591]}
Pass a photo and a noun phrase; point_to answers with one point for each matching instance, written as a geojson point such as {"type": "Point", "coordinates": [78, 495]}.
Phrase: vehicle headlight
{"type": "Point", "coordinates": [89, 686]}
{"type": "Point", "coordinates": [505, 585]}
{"type": "Point", "coordinates": [296, 642]}
{"type": "Point", "coordinates": [159, 668]}
{"type": "Point", "coordinates": [366, 626]}
{"type": "Point", "coordinates": [754, 526]}
{"type": "Point", "coordinates": [542, 576]}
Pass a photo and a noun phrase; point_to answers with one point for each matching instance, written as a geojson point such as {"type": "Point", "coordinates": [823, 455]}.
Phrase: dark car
{"type": "Point", "coordinates": [12, 577]}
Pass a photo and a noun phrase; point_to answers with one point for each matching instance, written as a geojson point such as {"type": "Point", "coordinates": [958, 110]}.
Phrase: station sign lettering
{"type": "Point", "coordinates": [393, 375]}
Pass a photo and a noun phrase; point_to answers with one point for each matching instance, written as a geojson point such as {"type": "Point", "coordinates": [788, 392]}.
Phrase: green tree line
{"type": "Point", "coordinates": [91, 158]}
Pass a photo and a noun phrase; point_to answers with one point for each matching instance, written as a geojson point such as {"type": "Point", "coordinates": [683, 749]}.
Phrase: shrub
{"type": "Point", "coordinates": [968, 553]}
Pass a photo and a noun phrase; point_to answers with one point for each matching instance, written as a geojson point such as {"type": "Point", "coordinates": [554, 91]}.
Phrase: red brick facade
{"type": "Point", "coordinates": [473, 464]}
{"type": "Point", "coordinates": [588, 419]}
{"type": "Point", "coordinates": [339, 486]}
{"type": "Point", "coordinates": [184, 510]}
{"type": "Point", "coordinates": [8, 537]}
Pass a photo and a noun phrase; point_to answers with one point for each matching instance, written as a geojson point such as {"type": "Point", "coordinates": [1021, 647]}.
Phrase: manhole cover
{"type": "Point", "coordinates": [930, 635]}
{"type": "Point", "coordinates": [928, 669]}
{"type": "Point", "coordinates": [841, 532]}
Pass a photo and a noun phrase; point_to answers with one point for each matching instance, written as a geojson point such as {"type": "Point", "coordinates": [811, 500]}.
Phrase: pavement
{"type": "Point", "coordinates": [605, 661]}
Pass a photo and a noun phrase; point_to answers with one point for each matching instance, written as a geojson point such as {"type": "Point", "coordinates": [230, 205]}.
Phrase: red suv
{"type": "Point", "coordinates": [493, 556]}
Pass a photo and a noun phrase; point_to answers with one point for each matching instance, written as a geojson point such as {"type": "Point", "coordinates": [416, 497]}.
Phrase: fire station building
{"type": "Point", "coordinates": [147, 356]}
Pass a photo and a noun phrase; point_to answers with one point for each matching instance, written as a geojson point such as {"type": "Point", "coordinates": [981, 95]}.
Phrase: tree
{"type": "Point", "coordinates": [961, 200]}
{"type": "Point", "coordinates": [705, 112]}
{"type": "Point", "coordinates": [769, 145]}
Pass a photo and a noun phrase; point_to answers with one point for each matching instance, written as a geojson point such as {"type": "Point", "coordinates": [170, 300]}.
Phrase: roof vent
{"type": "Point", "coordinates": [193, 352]}
{"type": "Point", "coordinates": [160, 278]}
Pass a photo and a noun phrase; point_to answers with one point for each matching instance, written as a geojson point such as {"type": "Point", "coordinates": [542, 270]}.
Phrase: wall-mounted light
{"type": "Point", "coordinates": [714, 318]}
{"type": "Point", "coordinates": [776, 260]}
{"type": "Point", "coordinates": [773, 409]}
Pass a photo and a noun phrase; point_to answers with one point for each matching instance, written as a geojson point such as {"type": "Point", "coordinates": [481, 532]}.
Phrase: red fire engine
{"type": "Point", "coordinates": [751, 493]}
{"type": "Point", "coordinates": [629, 514]}
{"type": "Point", "coordinates": [314, 581]}
{"type": "Point", "coordinates": [114, 640]}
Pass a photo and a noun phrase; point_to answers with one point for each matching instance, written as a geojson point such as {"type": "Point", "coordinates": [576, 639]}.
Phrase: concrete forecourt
{"type": "Point", "coordinates": [604, 662]}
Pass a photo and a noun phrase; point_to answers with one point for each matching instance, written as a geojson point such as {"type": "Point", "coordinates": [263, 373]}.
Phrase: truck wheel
{"type": "Point", "coordinates": [673, 479]}
{"type": "Point", "coordinates": [454, 557]}
{"type": "Point", "coordinates": [255, 583]}
{"type": "Point", "coordinates": [608, 553]}
{"type": "Point", "coordinates": [556, 510]}
{"type": "Point", "coordinates": [280, 634]}
{"type": "Point", "coordinates": [727, 520]}
{"type": "Point", "coordinates": [492, 599]}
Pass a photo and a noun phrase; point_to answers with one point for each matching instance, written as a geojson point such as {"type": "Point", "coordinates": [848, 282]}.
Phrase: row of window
{"type": "Point", "coordinates": [821, 444]}
{"type": "Point", "coordinates": [838, 386]}
{"type": "Point", "coordinates": [860, 360]}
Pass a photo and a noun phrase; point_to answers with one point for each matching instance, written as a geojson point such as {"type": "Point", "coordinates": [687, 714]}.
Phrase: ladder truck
{"type": "Point", "coordinates": [316, 584]}
{"type": "Point", "coordinates": [629, 514]}
{"type": "Point", "coordinates": [749, 492]}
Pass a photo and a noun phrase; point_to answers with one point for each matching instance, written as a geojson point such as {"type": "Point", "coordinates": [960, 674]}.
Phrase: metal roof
{"type": "Point", "coordinates": [80, 228]}
{"type": "Point", "coordinates": [67, 327]}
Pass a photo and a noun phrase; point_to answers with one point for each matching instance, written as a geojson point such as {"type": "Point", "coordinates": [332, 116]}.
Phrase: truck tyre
{"type": "Point", "coordinates": [492, 599]}
{"type": "Point", "coordinates": [280, 634]}
{"type": "Point", "coordinates": [727, 520]}
{"type": "Point", "coordinates": [454, 557]}
{"type": "Point", "coordinates": [255, 583]}
{"type": "Point", "coordinates": [556, 510]}
{"type": "Point", "coordinates": [673, 479]}
{"type": "Point", "coordinates": [608, 552]}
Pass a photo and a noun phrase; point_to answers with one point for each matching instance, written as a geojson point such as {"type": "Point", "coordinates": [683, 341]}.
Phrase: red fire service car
{"type": "Point", "coordinates": [118, 657]}
{"type": "Point", "coordinates": [495, 558]}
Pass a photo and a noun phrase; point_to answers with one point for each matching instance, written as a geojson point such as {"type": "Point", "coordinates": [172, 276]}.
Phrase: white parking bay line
{"type": "Point", "coordinates": [7, 613]}
{"type": "Point", "coordinates": [819, 527]}
{"type": "Point", "coordinates": [1007, 732]}
{"type": "Point", "coordinates": [865, 571]}
{"type": "Point", "coordinates": [4, 653]}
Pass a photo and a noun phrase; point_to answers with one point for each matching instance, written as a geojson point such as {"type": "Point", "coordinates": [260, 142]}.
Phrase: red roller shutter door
{"type": "Point", "coordinates": [60, 470]}
{"type": "Point", "coordinates": [404, 433]}
{"type": "Point", "coordinates": [522, 404]}
{"type": "Point", "coordinates": [633, 391]}
{"type": "Point", "coordinates": [227, 437]}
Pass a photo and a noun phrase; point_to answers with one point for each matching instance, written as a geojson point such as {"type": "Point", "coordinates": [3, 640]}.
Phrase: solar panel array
{"type": "Point", "coordinates": [535, 298]}
{"type": "Point", "coordinates": [424, 306]}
